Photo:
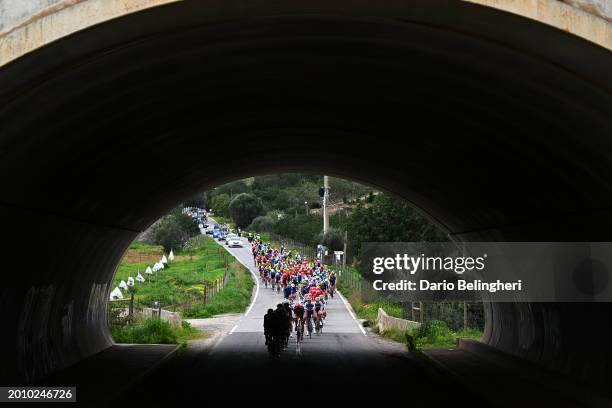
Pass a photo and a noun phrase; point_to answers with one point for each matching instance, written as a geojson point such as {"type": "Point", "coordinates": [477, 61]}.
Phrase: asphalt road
{"type": "Point", "coordinates": [342, 354]}
{"type": "Point", "coordinates": [339, 320]}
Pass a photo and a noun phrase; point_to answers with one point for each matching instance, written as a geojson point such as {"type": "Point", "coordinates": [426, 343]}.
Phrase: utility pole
{"type": "Point", "coordinates": [325, 199]}
{"type": "Point", "coordinates": [345, 248]}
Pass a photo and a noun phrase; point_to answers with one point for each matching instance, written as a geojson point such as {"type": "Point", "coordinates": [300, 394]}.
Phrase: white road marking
{"type": "Point", "coordinates": [350, 310]}
{"type": "Point", "coordinates": [254, 300]}
{"type": "Point", "coordinates": [255, 278]}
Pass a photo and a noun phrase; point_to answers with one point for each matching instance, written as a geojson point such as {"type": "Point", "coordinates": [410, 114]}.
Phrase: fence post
{"type": "Point", "coordinates": [465, 316]}
{"type": "Point", "coordinates": [131, 309]}
{"type": "Point", "coordinates": [159, 307]}
{"type": "Point", "coordinates": [421, 311]}
{"type": "Point", "coordinates": [205, 294]}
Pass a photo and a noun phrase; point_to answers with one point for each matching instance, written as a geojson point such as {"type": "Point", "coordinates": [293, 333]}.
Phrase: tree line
{"type": "Point", "coordinates": [282, 204]}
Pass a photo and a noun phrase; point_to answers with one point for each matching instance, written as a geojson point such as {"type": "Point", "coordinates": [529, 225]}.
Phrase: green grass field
{"type": "Point", "coordinates": [181, 286]}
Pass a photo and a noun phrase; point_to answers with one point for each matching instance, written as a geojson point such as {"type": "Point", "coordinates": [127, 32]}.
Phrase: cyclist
{"type": "Point", "coordinates": [319, 308]}
{"type": "Point", "coordinates": [277, 279]}
{"type": "Point", "coordinates": [287, 292]}
{"type": "Point", "coordinates": [332, 283]}
{"type": "Point", "coordinates": [298, 319]}
{"type": "Point", "coordinates": [270, 329]}
{"type": "Point", "coordinates": [292, 292]}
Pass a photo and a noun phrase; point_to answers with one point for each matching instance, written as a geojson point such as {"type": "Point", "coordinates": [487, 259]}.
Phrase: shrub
{"type": "Point", "coordinates": [435, 331]}
{"type": "Point", "coordinates": [150, 331]}
{"type": "Point", "coordinates": [174, 230]}
{"type": "Point", "coordinates": [220, 204]}
{"type": "Point", "coordinates": [244, 208]}
{"type": "Point", "coordinates": [333, 240]}
{"type": "Point", "coordinates": [304, 229]}
{"type": "Point", "coordinates": [262, 224]}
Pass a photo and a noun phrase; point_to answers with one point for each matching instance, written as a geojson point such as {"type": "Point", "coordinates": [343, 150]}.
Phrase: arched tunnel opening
{"type": "Point", "coordinates": [496, 127]}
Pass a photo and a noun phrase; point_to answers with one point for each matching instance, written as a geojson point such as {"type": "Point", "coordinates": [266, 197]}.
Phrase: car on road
{"type": "Point", "coordinates": [234, 242]}
{"type": "Point", "coordinates": [210, 230]}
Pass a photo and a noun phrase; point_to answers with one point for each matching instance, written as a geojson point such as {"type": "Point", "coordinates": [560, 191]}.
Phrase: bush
{"type": "Point", "coordinates": [174, 230]}
{"type": "Point", "coordinates": [304, 229]}
{"type": "Point", "coordinates": [262, 224]}
{"type": "Point", "coordinates": [435, 331]}
{"type": "Point", "coordinates": [220, 205]}
{"type": "Point", "coordinates": [155, 331]}
{"type": "Point", "coordinates": [244, 208]}
{"type": "Point", "coordinates": [150, 331]}
{"type": "Point", "coordinates": [333, 240]}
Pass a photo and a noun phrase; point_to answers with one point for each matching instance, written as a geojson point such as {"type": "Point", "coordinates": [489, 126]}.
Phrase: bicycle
{"type": "Point", "coordinates": [309, 326]}
{"type": "Point", "coordinates": [299, 330]}
{"type": "Point", "coordinates": [274, 346]}
{"type": "Point", "coordinates": [319, 325]}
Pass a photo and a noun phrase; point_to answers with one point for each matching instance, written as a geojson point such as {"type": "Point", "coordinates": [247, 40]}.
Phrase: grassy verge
{"type": "Point", "coordinates": [432, 334]}
{"type": "Point", "coordinates": [179, 284]}
{"type": "Point", "coordinates": [265, 236]}
{"type": "Point", "coordinates": [155, 331]}
{"type": "Point", "coordinates": [234, 298]}
{"type": "Point", "coordinates": [180, 287]}
{"type": "Point", "coordinates": [366, 311]}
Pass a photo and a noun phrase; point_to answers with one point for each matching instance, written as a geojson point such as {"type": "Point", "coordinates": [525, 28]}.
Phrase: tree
{"type": "Point", "coordinates": [388, 220]}
{"type": "Point", "coordinates": [262, 224]}
{"type": "Point", "coordinates": [220, 205]}
{"type": "Point", "coordinates": [304, 228]}
{"type": "Point", "coordinates": [332, 239]}
{"type": "Point", "coordinates": [174, 230]}
{"type": "Point", "coordinates": [232, 189]}
{"type": "Point", "coordinates": [196, 201]}
{"type": "Point", "coordinates": [244, 208]}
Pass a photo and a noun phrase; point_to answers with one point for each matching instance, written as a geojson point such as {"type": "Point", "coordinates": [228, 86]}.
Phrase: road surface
{"type": "Point", "coordinates": [342, 354]}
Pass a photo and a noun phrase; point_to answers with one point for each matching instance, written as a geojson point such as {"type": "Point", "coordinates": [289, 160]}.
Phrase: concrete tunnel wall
{"type": "Point", "coordinates": [448, 105]}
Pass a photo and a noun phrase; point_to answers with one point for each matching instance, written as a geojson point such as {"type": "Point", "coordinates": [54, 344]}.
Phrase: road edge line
{"type": "Point", "coordinates": [351, 312]}
{"type": "Point", "coordinates": [255, 278]}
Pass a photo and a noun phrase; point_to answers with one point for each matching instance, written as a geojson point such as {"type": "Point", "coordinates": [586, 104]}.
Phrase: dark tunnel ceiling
{"type": "Point", "coordinates": [476, 124]}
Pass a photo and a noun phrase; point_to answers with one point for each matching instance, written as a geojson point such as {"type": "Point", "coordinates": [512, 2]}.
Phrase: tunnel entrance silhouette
{"type": "Point", "coordinates": [495, 126]}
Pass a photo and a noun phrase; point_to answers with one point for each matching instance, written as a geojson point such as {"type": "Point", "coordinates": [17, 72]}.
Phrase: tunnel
{"type": "Point", "coordinates": [496, 127]}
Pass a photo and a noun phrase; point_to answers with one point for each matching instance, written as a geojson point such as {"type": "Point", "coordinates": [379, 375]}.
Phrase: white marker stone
{"type": "Point", "coordinates": [116, 294]}
{"type": "Point", "coordinates": [123, 285]}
